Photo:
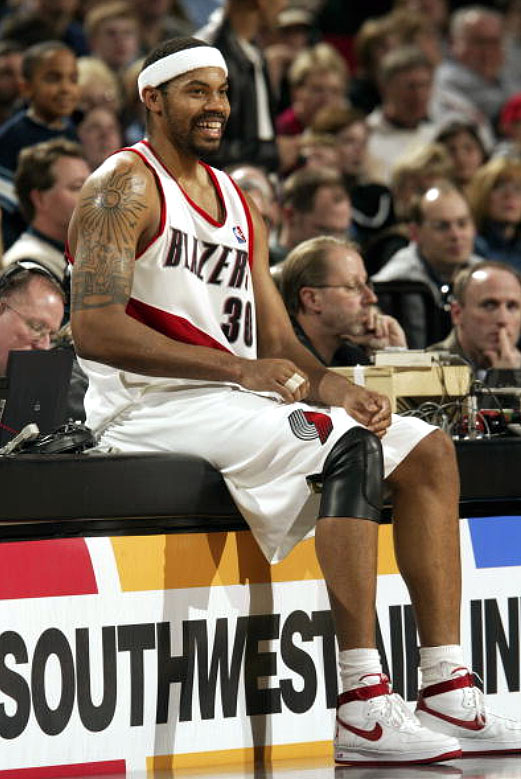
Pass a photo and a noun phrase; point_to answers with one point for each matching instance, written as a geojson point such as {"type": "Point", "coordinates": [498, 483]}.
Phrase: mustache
{"type": "Point", "coordinates": [210, 116]}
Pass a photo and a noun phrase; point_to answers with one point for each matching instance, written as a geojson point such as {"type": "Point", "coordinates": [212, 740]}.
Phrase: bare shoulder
{"type": "Point", "coordinates": [115, 212]}
{"type": "Point", "coordinates": [118, 202]}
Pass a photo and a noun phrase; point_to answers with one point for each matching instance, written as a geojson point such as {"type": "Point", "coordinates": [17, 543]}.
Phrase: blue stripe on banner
{"type": "Point", "coordinates": [496, 541]}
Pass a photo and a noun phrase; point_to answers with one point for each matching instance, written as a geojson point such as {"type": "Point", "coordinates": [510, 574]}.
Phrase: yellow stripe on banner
{"type": "Point", "coordinates": [201, 762]}
{"type": "Point", "coordinates": [181, 561]}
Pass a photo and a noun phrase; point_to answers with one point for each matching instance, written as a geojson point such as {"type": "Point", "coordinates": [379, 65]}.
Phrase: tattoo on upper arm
{"type": "Point", "coordinates": [108, 216]}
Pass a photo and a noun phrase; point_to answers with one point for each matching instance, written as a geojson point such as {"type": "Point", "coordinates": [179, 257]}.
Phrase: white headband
{"type": "Point", "coordinates": [178, 63]}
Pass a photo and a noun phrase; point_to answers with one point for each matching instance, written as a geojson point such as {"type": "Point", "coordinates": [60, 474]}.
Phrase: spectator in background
{"type": "Point", "coordinates": [372, 208]}
{"type": "Point", "coordinates": [100, 135]}
{"type": "Point", "coordinates": [314, 202]}
{"type": "Point", "coordinates": [495, 200]}
{"type": "Point", "coordinates": [159, 20]}
{"type": "Point", "coordinates": [113, 33]}
{"type": "Point", "coordinates": [466, 149]}
{"type": "Point", "coordinates": [443, 234]}
{"type": "Point", "coordinates": [133, 113]}
{"type": "Point", "coordinates": [477, 53]}
{"type": "Point", "coordinates": [411, 177]}
{"type": "Point", "coordinates": [318, 78]}
{"type": "Point", "coordinates": [48, 180]}
{"type": "Point", "coordinates": [402, 124]}
{"type": "Point", "coordinates": [98, 85]}
{"type": "Point", "coordinates": [256, 183]}
{"type": "Point", "coordinates": [31, 311]}
{"type": "Point", "coordinates": [50, 86]}
{"type": "Point", "coordinates": [249, 136]}
{"type": "Point", "coordinates": [44, 20]}
{"type": "Point", "coordinates": [324, 286]}
{"type": "Point", "coordinates": [486, 317]}
{"type": "Point", "coordinates": [10, 78]}
{"type": "Point", "coordinates": [375, 38]}
{"type": "Point", "coordinates": [510, 129]}
{"type": "Point", "coordinates": [293, 34]}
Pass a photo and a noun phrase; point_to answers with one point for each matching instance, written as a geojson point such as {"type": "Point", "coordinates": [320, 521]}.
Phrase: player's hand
{"type": "Point", "coordinates": [506, 355]}
{"type": "Point", "coordinates": [273, 375]}
{"type": "Point", "coordinates": [369, 408]}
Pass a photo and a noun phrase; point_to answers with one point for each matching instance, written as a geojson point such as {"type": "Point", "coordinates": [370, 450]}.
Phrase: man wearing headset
{"type": "Point", "coordinates": [31, 309]}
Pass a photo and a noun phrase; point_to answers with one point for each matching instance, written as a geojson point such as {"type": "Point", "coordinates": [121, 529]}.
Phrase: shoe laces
{"type": "Point", "coordinates": [392, 710]}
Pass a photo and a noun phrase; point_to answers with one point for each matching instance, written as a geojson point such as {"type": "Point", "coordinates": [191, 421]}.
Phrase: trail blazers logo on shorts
{"type": "Point", "coordinates": [307, 425]}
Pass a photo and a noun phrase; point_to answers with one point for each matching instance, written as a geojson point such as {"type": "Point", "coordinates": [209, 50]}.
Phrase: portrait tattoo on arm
{"type": "Point", "coordinates": [108, 216]}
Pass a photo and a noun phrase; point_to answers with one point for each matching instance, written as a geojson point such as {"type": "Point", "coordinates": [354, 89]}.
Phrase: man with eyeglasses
{"type": "Point", "coordinates": [31, 311]}
{"type": "Point", "coordinates": [331, 303]}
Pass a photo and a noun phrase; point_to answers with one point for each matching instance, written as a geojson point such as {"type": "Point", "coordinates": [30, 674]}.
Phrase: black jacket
{"type": "Point", "coordinates": [241, 143]}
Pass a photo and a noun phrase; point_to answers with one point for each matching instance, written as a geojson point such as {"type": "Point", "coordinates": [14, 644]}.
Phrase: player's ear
{"type": "Point", "coordinates": [152, 99]}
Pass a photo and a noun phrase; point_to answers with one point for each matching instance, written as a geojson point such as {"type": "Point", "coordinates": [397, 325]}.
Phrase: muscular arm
{"type": "Point", "coordinates": [119, 212]}
{"type": "Point", "coordinates": [277, 339]}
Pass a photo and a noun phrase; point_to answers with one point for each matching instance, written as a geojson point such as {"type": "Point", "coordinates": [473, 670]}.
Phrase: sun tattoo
{"type": "Point", "coordinates": [113, 209]}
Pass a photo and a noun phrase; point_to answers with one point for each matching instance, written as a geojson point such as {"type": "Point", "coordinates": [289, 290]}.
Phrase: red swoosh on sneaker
{"type": "Point", "coordinates": [478, 723]}
{"type": "Point", "coordinates": [375, 734]}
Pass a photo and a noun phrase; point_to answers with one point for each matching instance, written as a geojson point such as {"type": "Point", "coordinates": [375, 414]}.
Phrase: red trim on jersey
{"type": "Point", "coordinates": [249, 220]}
{"type": "Point", "coordinates": [176, 327]}
{"type": "Point", "coordinates": [209, 218]}
{"type": "Point", "coordinates": [67, 253]}
{"type": "Point", "coordinates": [162, 218]}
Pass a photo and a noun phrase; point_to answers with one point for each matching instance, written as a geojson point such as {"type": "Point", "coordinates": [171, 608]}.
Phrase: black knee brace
{"type": "Point", "coordinates": [352, 477]}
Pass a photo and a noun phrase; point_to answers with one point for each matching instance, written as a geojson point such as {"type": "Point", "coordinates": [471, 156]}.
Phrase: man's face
{"type": "Point", "coordinates": [57, 203]}
{"type": "Point", "coordinates": [37, 308]}
{"type": "Point", "coordinates": [480, 45]}
{"type": "Point", "coordinates": [321, 89]}
{"type": "Point", "coordinates": [196, 110]}
{"type": "Point", "coordinates": [53, 89]}
{"type": "Point", "coordinates": [100, 135]}
{"type": "Point", "coordinates": [446, 235]}
{"type": "Point", "coordinates": [352, 146]}
{"type": "Point", "coordinates": [10, 74]}
{"type": "Point", "coordinates": [330, 215]}
{"type": "Point", "coordinates": [116, 42]}
{"type": "Point", "coordinates": [407, 95]}
{"type": "Point", "coordinates": [344, 300]}
{"type": "Point", "coordinates": [492, 303]}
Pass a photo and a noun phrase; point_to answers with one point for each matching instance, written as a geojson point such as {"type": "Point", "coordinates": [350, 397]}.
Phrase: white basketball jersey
{"type": "Point", "coordinates": [193, 282]}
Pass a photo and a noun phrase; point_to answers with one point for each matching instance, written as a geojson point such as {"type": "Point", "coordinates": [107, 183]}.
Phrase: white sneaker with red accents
{"type": "Point", "coordinates": [374, 726]}
{"type": "Point", "coordinates": [456, 707]}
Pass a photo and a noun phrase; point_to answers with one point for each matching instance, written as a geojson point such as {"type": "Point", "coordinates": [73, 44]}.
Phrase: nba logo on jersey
{"type": "Point", "coordinates": [239, 234]}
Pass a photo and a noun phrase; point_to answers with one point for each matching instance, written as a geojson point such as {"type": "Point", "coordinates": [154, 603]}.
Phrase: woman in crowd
{"type": "Point", "coordinates": [466, 149]}
{"type": "Point", "coordinates": [495, 200]}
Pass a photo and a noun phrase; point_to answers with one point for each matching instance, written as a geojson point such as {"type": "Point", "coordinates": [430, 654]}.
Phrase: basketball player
{"type": "Point", "coordinates": [188, 349]}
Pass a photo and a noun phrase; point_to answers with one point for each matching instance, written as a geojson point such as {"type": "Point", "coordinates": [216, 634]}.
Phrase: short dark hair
{"type": "Point", "coordinates": [301, 187]}
{"type": "Point", "coordinates": [171, 46]}
{"type": "Point", "coordinates": [34, 170]}
{"type": "Point", "coordinates": [35, 54]}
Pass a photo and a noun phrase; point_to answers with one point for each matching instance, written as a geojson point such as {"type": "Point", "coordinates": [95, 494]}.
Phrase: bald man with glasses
{"type": "Point", "coordinates": [332, 304]}
{"type": "Point", "coordinates": [31, 311]}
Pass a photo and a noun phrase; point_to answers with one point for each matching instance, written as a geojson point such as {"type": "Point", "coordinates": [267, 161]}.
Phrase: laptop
{"type": "Point", "coordinates": [34, 389]}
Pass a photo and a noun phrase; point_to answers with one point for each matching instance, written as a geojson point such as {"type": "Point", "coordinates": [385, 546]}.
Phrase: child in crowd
{"type": "Point", "coordinates": [50, 88]}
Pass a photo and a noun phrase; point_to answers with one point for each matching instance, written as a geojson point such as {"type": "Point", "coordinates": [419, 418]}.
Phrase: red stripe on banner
{"type": "Point", "coordinates": [78, 769]}
{"type": "Point", "coordinates": [43, 569]}
{"type": "Point", "coordinates": [173, 326]}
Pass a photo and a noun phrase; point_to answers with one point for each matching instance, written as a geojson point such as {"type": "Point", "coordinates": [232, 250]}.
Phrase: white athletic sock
{"type": "Point", "coordinates": [438, 662]}
{"type": "Point", "coordinates": [354, 663]}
